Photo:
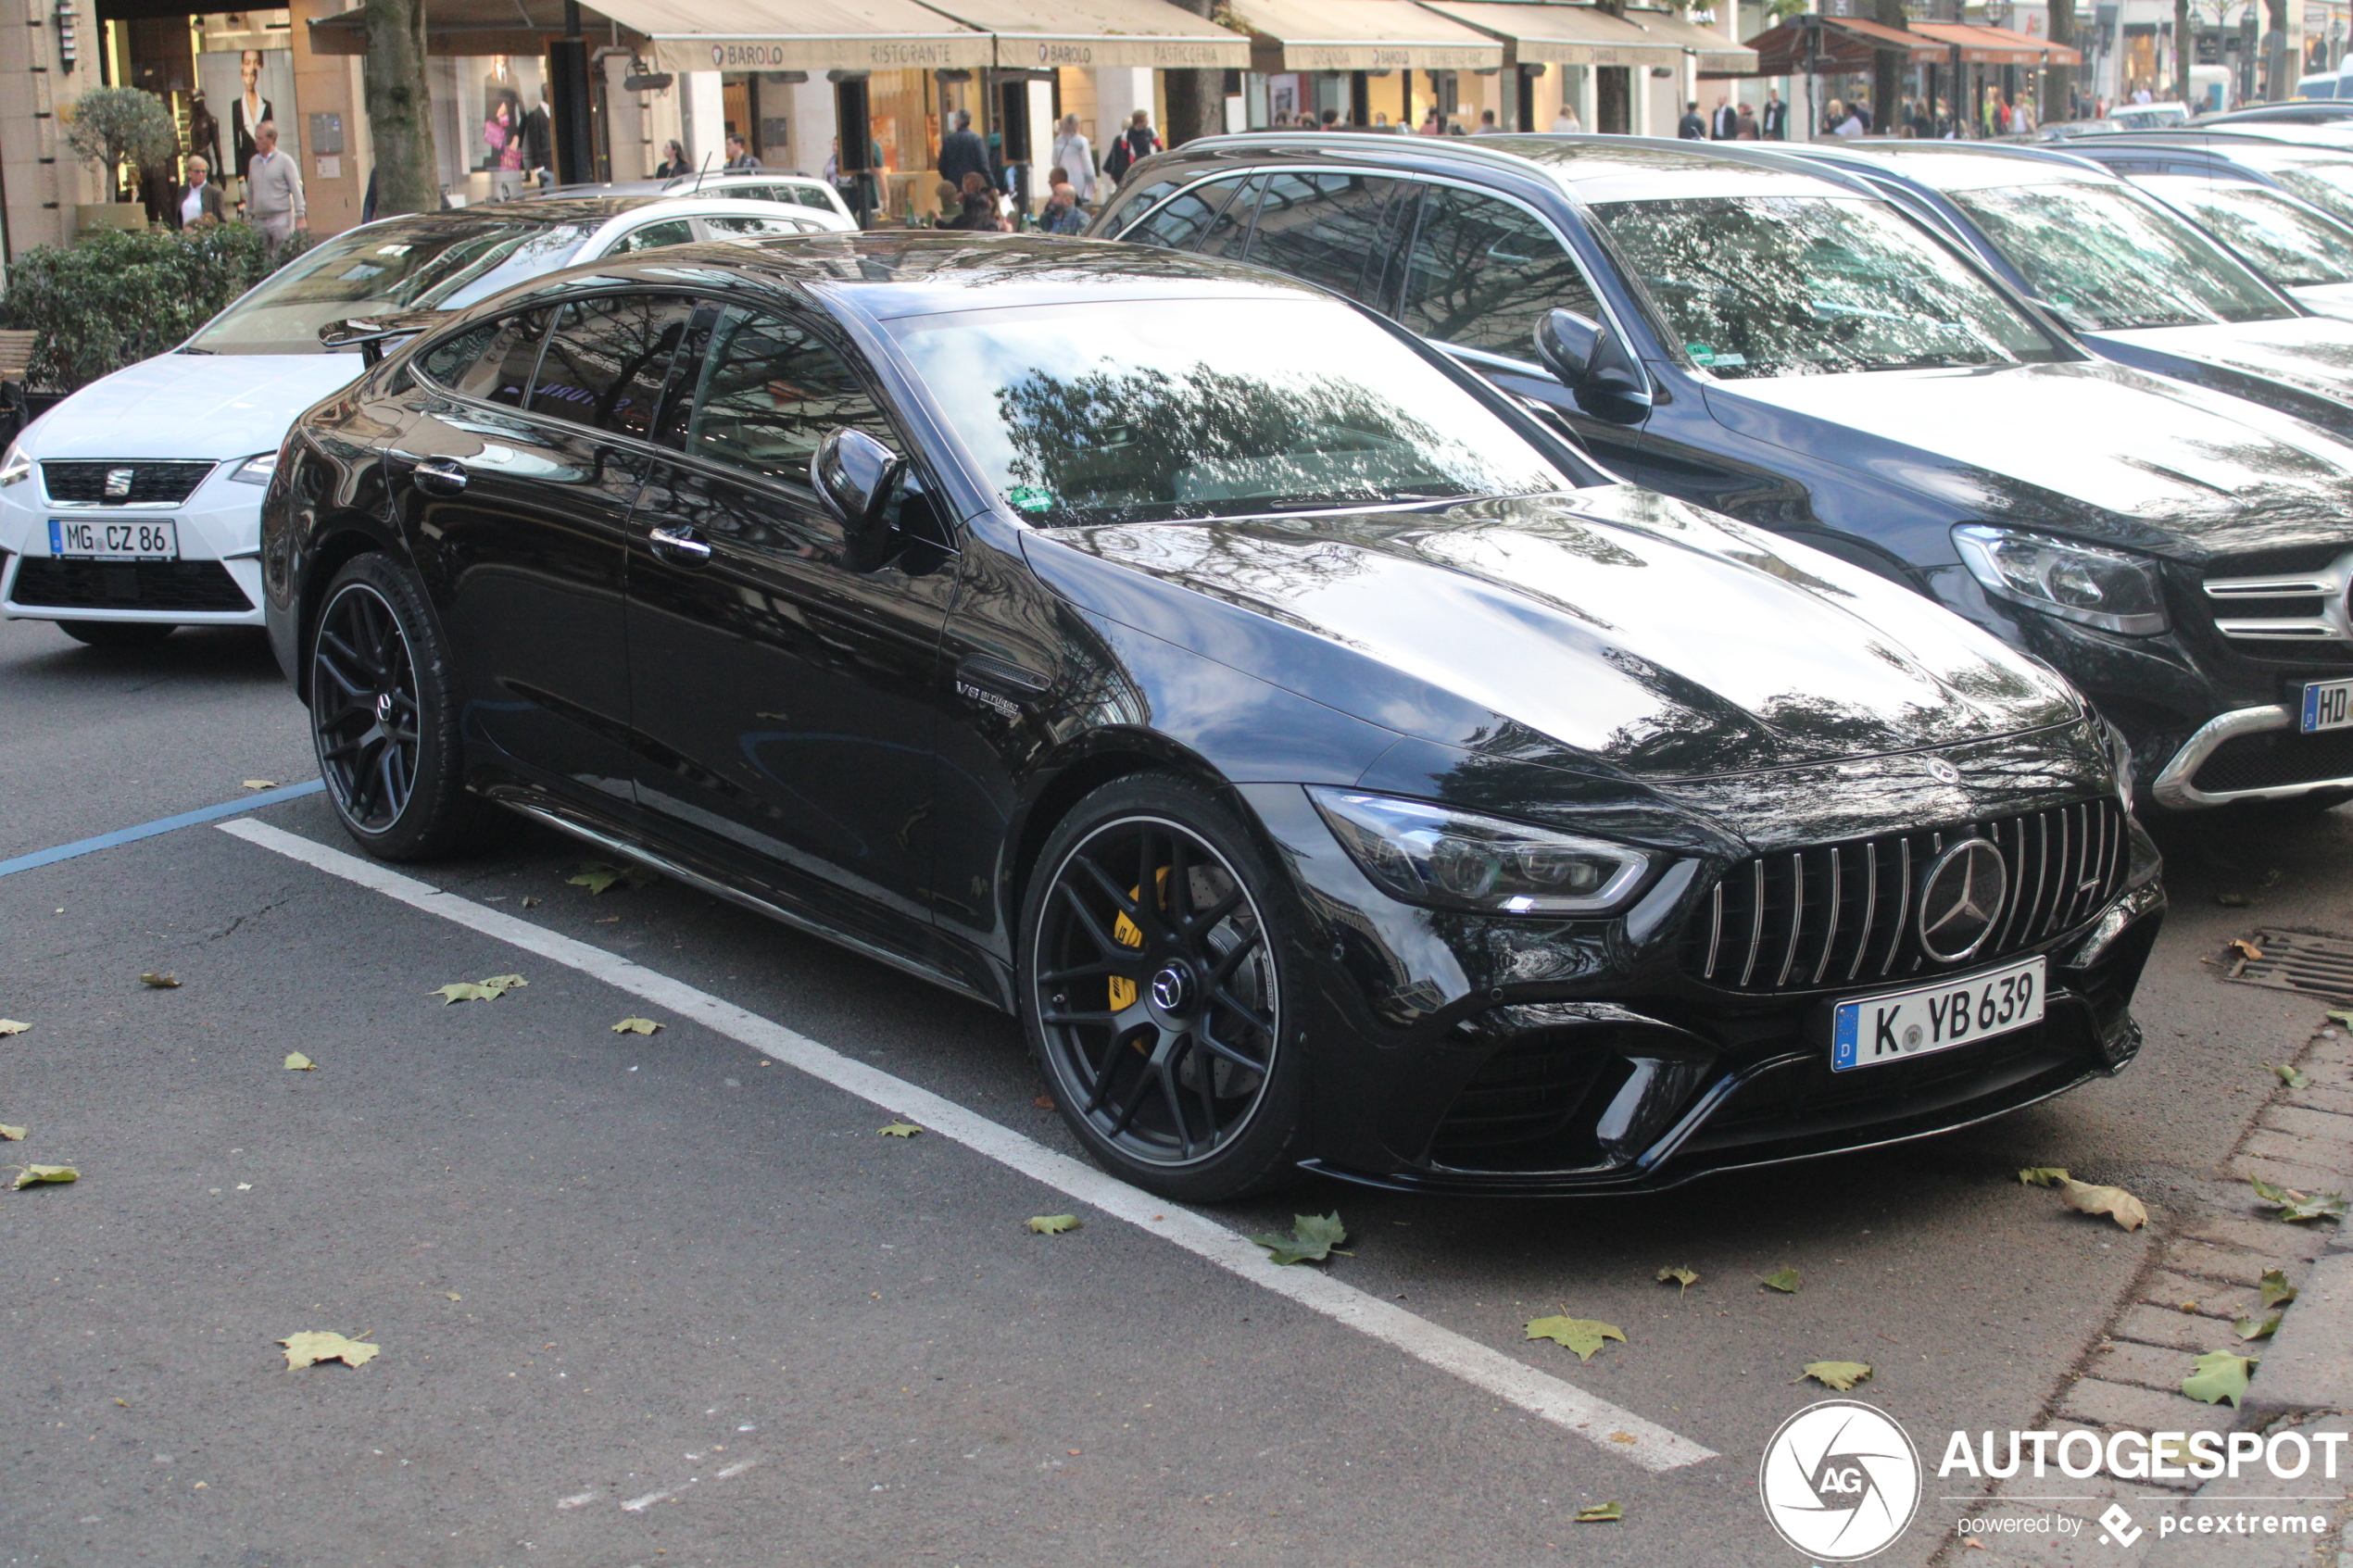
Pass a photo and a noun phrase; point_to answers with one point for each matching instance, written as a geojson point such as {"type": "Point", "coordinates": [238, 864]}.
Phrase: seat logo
{"type": "Point", "coordinates": [1961, 898]}
{"type": "Point", "coordinates": [118, 483]}
{"type": "Point", "coordinates": [1840, 1482]}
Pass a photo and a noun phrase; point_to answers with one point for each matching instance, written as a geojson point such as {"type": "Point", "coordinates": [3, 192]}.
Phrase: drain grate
{"type": "Point", "coordinates": [2295, 961]}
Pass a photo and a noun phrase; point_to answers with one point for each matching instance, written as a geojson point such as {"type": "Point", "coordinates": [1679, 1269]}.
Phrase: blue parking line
{"type": "Point", "coordinates": [162, 824]}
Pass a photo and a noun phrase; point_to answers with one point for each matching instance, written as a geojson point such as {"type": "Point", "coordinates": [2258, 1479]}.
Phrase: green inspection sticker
{"type": "Point", "coordinates": [1030, 498]}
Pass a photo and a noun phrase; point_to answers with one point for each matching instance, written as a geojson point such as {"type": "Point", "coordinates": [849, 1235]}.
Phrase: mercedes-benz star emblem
{"type": "Point", "coordinates": [1170, 989]}
{"type": "Point", "coordinates": [1941, 770]}
{"type": "Point", "coordinates": [1960, 897]}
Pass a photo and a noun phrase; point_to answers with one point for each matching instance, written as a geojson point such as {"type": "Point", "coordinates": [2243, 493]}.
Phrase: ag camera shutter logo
{"type": "Point", "coordinates": [1840, 1481]}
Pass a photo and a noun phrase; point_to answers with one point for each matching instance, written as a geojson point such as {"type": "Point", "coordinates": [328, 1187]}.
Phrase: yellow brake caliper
{"type": "Point", "coordinates": [1124, 932]}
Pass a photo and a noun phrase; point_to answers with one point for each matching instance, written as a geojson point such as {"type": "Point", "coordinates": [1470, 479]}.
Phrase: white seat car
{"type": "Point", "coordinates": [135, 506]}
{"type": "Point", "coordinates": [788, 189]}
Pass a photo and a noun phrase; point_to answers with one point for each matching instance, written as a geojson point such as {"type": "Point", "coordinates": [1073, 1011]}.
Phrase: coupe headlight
{"type": "Point", "coordinates": [1426, 854]}
{"type": "Point", "coordinates": [2098, 587]}
{"type": "Point", "coordinates": [256, 471]}
{"type": "Point", "coordinates": [14, 465]}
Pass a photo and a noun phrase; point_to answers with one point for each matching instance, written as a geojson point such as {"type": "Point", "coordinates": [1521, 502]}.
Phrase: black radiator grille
{"type": "Point", "coordinates": [1842, 914]}
{"type": "Point", "coordinates": [200, 585]}
{"type": "Point", "coordinates": [151, 483]}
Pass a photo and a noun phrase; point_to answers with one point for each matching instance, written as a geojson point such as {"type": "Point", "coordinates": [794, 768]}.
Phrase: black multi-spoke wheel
{"type": "Point", "coordinates": [1154, 992]}
{"type": "Point", "coordinates": [383, 715]}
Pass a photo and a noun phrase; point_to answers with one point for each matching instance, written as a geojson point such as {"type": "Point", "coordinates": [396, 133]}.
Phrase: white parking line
{"type": "Point", "coordinates": [1616, 1431]}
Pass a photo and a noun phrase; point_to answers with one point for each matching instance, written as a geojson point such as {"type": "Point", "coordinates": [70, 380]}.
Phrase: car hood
{"type": "Point", "coordinates": [2086, 448]}
{"type": "Point", "coordinates": [2313, 352]}
{"type": "Point", "coordinates": [1638, 635]}
{"type": "Point", "coordinates": [211, 406]}
{"type": "Point", "coordinates": [2329, 299]}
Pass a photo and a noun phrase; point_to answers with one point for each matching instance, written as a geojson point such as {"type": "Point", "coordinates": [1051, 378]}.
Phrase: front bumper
{"type": "Point", "coordinates": [2252, 754]}
{"type": "Point", "coordinates": [216, 581]}
{"type": "Point", "coordinates": [1510, 1058]}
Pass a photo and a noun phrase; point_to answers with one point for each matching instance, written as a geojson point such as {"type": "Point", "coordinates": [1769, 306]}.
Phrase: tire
{"type": "Point", "coordinates": [1179, 1068]}
{"type": "Point", "coordinates": [118, 636]}
{"type": "Point", "coordinates": [384, 717]}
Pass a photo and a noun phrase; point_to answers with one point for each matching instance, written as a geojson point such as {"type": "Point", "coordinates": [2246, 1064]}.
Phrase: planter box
{"type": "Point", "coordinates": [91, 215]}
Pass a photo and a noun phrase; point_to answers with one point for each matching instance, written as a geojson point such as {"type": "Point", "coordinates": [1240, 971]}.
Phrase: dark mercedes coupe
{"type": "Point", "coordinates": [1325, 763]}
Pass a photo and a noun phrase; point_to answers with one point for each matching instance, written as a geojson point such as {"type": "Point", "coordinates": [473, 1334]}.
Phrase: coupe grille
{"type": "Point", "coordinates": [105, 485]}
{"type": "Point", "coordinates": [1842, 914]}
{"type": "Point", "coordinates": [48, 584]}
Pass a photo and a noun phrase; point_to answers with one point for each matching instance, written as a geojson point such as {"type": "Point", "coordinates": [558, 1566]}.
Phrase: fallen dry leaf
{"type": "Point", "coordinates": [529, 902]}
{"type": "Point", "coordinates": [1783, 1280]}
{"type": "Point", "coordinates": [11, 1026]}
{"type": "Point", "coordinates": [1313, 1239]}
{"type": "Point", "coordinates": [636, 1026]}
{"type": "Point", "coordinates": [453, 1296]}
{"type": "Point", "coordinates": [489, 990]}
{"type": "Point", "coordinates": [312, 1347]}
{"type": "Point", "coordinates": [35, 1175]}
{"type": "Point", "coordinates": [1838, 1376]}
{"type": "Point", "coordinates": [1686, 1278]}
{"type": "Point", "coordinates": [1043, 1102]}
{"type": "Point", "coordinates": [160, 982]}
{"type": "Point", "coordinates": [2243, 948]}
{"type": "Point", "coordinates": [2042, 1175]}
{"type": "Point", "coordinates": [297, 1063]}
{"type": "Point", "coordinates": [507, 982]}
{"type": "Point", "coordinates": [1600, 1514]}
{"type": "Point", "coordinates": [261, 784]}
{"type": "Point", "coordinates": [900, 1130]}
{"type": "Point", "coordinates": [14, 1134]}
{"type": "Point", "coordinates": [2231, 900]}
{"type": "Point", "coordinates": [2219, 1376]}
{"type": "Point", "coordinates": [2114, 1202]}
{"type": "Point", "coordinates": [1583, 1335]}
{"type": "Point", "coordinates": [1052, 1225]}
{"type": "Point", "coordinates": [2293, 1077]}
{"type": "Point", "coordinates": [2275, 1289]}
{"type": "Point", "coordinates": [2258, 1328]}
{"type": "Point", "coordinates": [2295, 1207]}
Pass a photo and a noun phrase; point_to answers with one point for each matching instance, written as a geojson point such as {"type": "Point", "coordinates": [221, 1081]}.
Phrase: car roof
{"type": "Point", "coordinates": [2255, 151]}
{"type": "Point", "coordinates": [887, 273]}
{"type": "Point", "coordinates": [1594, 168]}
{"type": "Point", "coordinates": [1960, 166]}
{"type": "Point", "coordinates": [550, 209]}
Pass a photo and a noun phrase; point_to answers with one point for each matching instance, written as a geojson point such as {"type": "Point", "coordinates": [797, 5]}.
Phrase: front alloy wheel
{"type": "Point", "coordinates": [1156, 997]}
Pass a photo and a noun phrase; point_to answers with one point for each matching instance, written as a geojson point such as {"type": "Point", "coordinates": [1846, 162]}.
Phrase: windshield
{"type": "Point", "coordinates": [2106, 260]}
{"type": "Point", "coordinates": [1129, 411]}
{"type": "Point", "coordinates": [2328, 186]}
{"type": "Point", "coordinates": [440, 261]}
{"type": "Point", "coordinates": [1814, 285]}
{"type": "Point", "coordinates": [2293, 245]}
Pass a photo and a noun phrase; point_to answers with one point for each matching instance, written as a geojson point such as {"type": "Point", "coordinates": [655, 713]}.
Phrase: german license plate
{"type": "Point", "coordinates": [1894, 1025]}
{"type": "Point", "coordinates": [2328, 705]}
{"type": "Point", "coordinates": [99, 538]}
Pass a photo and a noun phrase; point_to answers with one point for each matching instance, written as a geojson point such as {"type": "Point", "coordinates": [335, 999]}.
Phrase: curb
{"type": "Point", "coordinates": [2308, 1366]}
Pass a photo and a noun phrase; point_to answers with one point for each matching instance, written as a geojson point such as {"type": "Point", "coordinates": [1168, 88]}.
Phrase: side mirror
{"type": "Point", "coordinates": [853, 475]}
{"type": "Point", "coordinates": [1589, 361]}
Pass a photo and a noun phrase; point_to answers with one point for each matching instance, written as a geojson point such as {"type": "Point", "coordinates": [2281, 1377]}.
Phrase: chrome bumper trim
{"type": "Point", "coordinates": [2172, 788]}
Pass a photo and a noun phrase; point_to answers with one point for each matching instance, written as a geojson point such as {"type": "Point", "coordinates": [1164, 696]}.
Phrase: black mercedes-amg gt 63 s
{"type": "Point", "coordinates": [1328, 766]}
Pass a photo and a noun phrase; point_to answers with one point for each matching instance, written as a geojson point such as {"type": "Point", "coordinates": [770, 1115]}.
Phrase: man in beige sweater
{"type": "Point", "coordinates": [274, 188]}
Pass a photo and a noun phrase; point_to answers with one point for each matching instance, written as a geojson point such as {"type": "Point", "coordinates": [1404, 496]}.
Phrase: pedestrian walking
{"type": "Point", "coordinates": [739, 158]}
{"type": "Point", "coordinates": [1772, 123]}
{"type": "Point", "coordinates": [1487, 126]}
{"type": "Point", "coordinates": [539, 143]}
{"type": "Point", "coordinates": [1691, 128]}
{"type": "Point", "coordinates": [1136, 143]}
{"type": "Point", "coordinates": [962, 152]}
{"type": "Point", "coordinates": [274, 188]}
{"type": "Point", "coordinates": [1565, 123]}
{"type": "Point", "coordinates": [1726, 120]}
{"type": "Point", "coordinates": [196, 205]}
{"type": "Point", "coordinates": [1744, 125]}
{"type": "Point", "coordinates": [1075, 157]}
{"type": "Point", "coordinates": [674, 161]}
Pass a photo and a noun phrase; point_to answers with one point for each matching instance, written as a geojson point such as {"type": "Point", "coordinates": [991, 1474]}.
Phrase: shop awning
{"type": "Point", "coordinates": [1561, 35]}
{"type": "Point", "coordinates": [1042, 35]}
{"type": "Point", "coordinates": [1997, 45]}
{"type": "Point", "coordinates": [1835, 46]}
{"type": "Point", "coordinates": [464, 27]}
{"type": "Point", "coordinates": [1361, 35]}
{"type": "Point", "coordinates": [812, 35]}
{"type": "Point", "coordinates": [1716, 53]}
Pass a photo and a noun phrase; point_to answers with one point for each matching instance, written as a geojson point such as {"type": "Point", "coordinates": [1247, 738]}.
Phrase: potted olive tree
{"type": "Point", "coordinates": [111, 127]}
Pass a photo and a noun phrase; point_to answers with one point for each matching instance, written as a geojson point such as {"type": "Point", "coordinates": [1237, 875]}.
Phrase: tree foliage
{"type": "Point", "coordinates": [111, 125]}
{"type": "Point", "coordinates": [120, 297]}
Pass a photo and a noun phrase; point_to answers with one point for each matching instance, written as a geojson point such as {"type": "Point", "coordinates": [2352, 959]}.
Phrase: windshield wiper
{"type": "Point", "coordinates": [194, 350]}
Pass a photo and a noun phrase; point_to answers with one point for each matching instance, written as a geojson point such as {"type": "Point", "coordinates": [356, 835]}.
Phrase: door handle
{"type": "Point", "coordinates": [439, 476]}
{"type": "Point", "coordinates": [680, 547]}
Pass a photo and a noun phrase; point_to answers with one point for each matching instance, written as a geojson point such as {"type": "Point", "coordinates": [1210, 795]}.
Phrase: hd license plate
{"type": "Point", "coordinates": [1898, 1024]}
{"type": "Point", "coordinates": [145, 538]}
{"type": "Point", "coordinates": [2328, 705]}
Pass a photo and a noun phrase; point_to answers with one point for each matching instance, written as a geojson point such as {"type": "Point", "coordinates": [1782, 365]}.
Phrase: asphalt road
{"type": "Point", "coordinates": [610, 1270]}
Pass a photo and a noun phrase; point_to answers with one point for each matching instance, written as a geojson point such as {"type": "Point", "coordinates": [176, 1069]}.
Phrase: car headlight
{"type": "Point", "coordinates": [1426, 854]}
{"type": "Point", "coordinates": [256, 471]}
{"type": "Point", "coordinates": [14, 465]}
{"type": "Point", "coordinates": [2074, 581]}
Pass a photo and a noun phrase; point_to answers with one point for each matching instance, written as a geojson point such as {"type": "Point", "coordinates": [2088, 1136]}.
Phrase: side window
{"type": "Point", "coordinates": [502, 371]}
{"type": "Point", "coordinates": [1179, 223]}
{"type": "Point", "coordinates": [1322, 228]}
{"type": "Point", "coordinates": [1483, 272]}
{"type": "Point", "coordinates": [445, 360]}
{"type": "Point", "coordinates": [607, 357]}
{"type": "Point", "coordinates": [743, 228]}
{"type": "Point", "coordinates": [1230, 231]}
{"type": "Point", "coordinates": [653, 237]}
{"type": "Point", "coordinates": [1139, 202]}
{"type": "Point", "coordinates": [771, 390]}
